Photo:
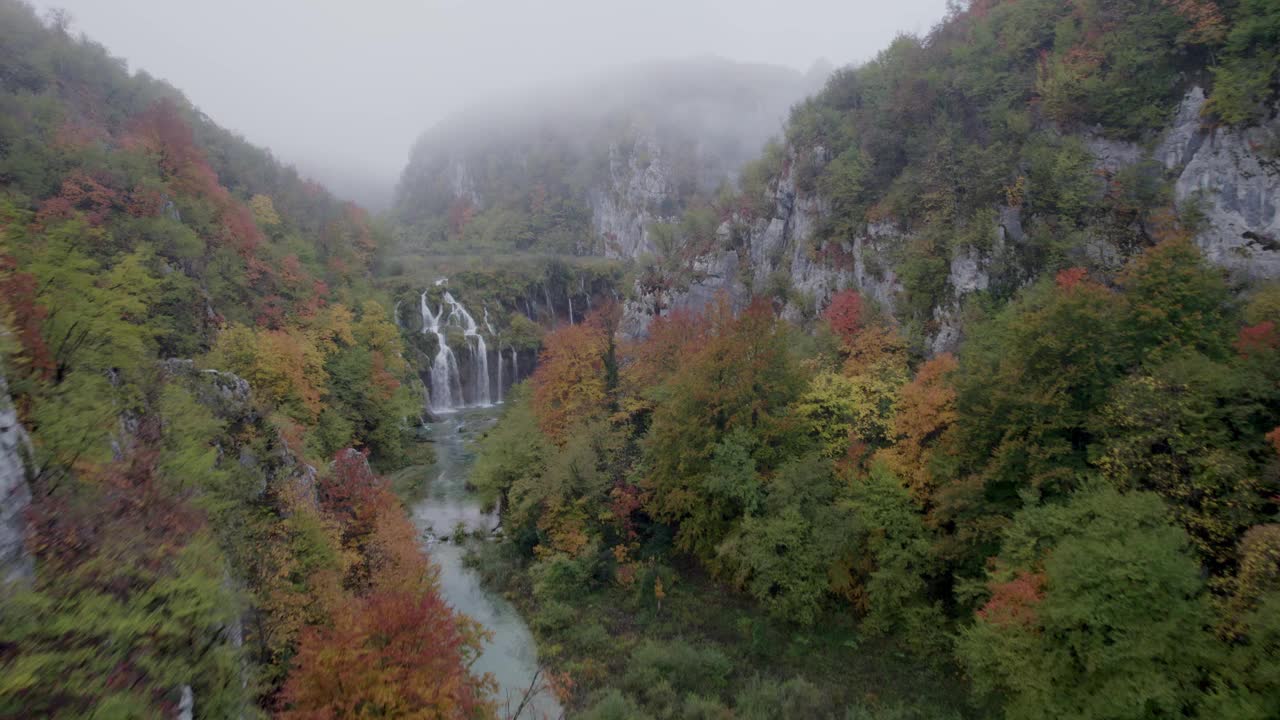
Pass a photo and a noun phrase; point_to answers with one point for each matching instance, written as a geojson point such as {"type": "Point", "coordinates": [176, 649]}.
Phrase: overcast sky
{"type": "Point", "coordinates": [343, 88]}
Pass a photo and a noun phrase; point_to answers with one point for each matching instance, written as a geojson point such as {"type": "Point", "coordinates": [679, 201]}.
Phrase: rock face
{"type": "Point", "coordinates": [1231, 175]}
{"type": "Point", "coordinates": [756, 255]}
{"type": "Point", "coordinates": [639, 186]}
{"type": "Point", "coordinates": [1234, 177]}
{"type": "Point", "coordinates": [15, 495]}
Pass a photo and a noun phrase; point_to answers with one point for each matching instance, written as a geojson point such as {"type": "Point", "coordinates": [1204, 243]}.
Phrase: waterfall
{"type": "Point", "coordinates": [515, 366]}
{"type": "Point", "coordinates": [480, 354]}
{"type": "Point", "coordinates": [445, 378]}
{"type": "Point", "coordinates": [570, 309]}
{"type": "Point", "coordinates": [499, 372]}
{"type": "Point", "coordinates": [489, 326]}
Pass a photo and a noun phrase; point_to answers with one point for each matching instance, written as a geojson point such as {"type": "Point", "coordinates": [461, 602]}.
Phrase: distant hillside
{"type": "Point", "coordinates": [586, 169]}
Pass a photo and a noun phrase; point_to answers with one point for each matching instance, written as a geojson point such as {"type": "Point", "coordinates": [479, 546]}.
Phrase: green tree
{"type": "Point", "coordinates": [742, 378]}
{"type": "Point", "coordinates": [894, 536]}
{"type": "Point", "coordinates": [1097, 610]}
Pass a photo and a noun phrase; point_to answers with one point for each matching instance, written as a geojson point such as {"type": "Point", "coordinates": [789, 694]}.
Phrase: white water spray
{"type": "Point", "coordinates": [500, 363]}
{"type": "Point", "coordinates": [459, 316]}
{"type": "Point", "coordinates": [446, 383]}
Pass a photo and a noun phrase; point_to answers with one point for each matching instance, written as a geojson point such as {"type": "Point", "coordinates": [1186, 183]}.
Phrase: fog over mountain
{"type": "Point", "coordinates": [343, 91]}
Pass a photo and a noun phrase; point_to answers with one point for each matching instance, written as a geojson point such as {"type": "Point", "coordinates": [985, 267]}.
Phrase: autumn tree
{"type": "Point", "coordinates": [924, 411]}
{"type": "Point", "coordinates": [742, 378]}
{"type": "Point", "coordinates": [570, 384]}
{"type": "Point", "coordinates": [845, 314]}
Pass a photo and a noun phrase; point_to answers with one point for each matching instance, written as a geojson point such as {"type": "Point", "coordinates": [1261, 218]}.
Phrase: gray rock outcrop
{"type": "Point", "coordinates": [1233, 176]}
{"type": "Point", "coordinates": [15, 494]}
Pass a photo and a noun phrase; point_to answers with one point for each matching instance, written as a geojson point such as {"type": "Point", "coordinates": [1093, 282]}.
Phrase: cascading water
{"type": "Point", "coordinates": [515, 366]}
{"type": "Point", "coordinates": [446, 382]}
{"type": "Point", "coordinates": [459, 316]}
{"type": "Point", "coordinates": [499, 373]}
{"type": "Point", "coordinates": [489, 326]}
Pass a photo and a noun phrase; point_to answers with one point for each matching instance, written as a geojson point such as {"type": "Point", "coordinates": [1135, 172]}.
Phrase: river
{"type": "Point", "coordinates": [512, 655]}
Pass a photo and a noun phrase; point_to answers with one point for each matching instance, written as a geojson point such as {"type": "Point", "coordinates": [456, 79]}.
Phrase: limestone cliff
{"type": "Point", "coordinates": [1232, 176]}
{"type": "Point", "coordinates": [15, 494]}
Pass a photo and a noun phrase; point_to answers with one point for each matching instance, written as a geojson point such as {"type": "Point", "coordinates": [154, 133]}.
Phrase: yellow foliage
{"type": "Point", "coordinates": [264, 211]}
{"type": "Point", "coordinates": [284, 367]}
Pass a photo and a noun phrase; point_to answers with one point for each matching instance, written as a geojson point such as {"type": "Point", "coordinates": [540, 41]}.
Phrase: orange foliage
{"type": "Point", "coordinates": [1071, 277]}
{"type": "Point", "coordinates": [80, 193]}
{"type": "Point", "coordinates": [1207, 23]}
{"type": "Point", "coordinates": [394, 648]}
{"type": "Point", "coordinates": [395, 654]}
{"type": "Point", "coordinates": [569, 383]}
{"type": "Point", "coordinates": [874, 347]}
{"type": "Point", "coordinates": [671, 338]}
{"type": "Point", "coordinates": [295, 588]}
{"type": "Point", "coordinates": [926, 408]}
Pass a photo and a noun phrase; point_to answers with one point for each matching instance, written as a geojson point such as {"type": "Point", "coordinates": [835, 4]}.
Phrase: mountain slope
{"type": "Point", "coordinates": [196, 375]}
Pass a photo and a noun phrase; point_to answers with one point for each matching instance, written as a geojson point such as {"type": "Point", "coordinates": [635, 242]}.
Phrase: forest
{"type": "Point", "coordinates": [218, 433]}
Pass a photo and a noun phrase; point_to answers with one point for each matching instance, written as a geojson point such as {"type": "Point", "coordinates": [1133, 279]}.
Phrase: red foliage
{"type": "Point", "coordinates": [291, 272]}
{"type": "Point", "coordinates": [162, 131]}
{"type": "Point", "coordinates": [396, 653]}
{"type": "Point", "coordinates": [131, 511]}
{"type": "Point", "coordinates": [80, 194]}
{"type": "Point", "coordinates": [25, 316]}
{"type": "Point", "coordinates": [239, 230]}
{"type": "Point", "coordinates": [144, 202]}
{"type": "Point", "coordinates": [461, 212]}
{"type": "Point", "coordinates": [392, 648]}
{"type": "Point", "coordinates": [383, 381]}
{"type": "Point", "coordinates": [844, 314]}
{"type": "Point", "coordinates": [1274, 437]}
{"type": "Point", "coordinates": [1014, 602]}
{"type": "Point", "coordinates": [625, 501]}
{"type": "Point", "coordinates": [271, 312]}
{"type": "Point", "coordinates": [671, 338]}
{"type": "Point", "coordinates": [1071, 277]}
{"type": "Point", "coordinates": [354, 495]}
{"type": "Point", "coordinates": [1256, 339]}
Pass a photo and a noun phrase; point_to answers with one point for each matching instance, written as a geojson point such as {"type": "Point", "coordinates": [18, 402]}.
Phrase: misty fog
{"type": "Point", "coordinates": [344, 89]}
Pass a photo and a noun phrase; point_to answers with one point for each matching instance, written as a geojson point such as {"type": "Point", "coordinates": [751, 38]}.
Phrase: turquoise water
{"type": "Point", "coordinates": [512, 655]}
